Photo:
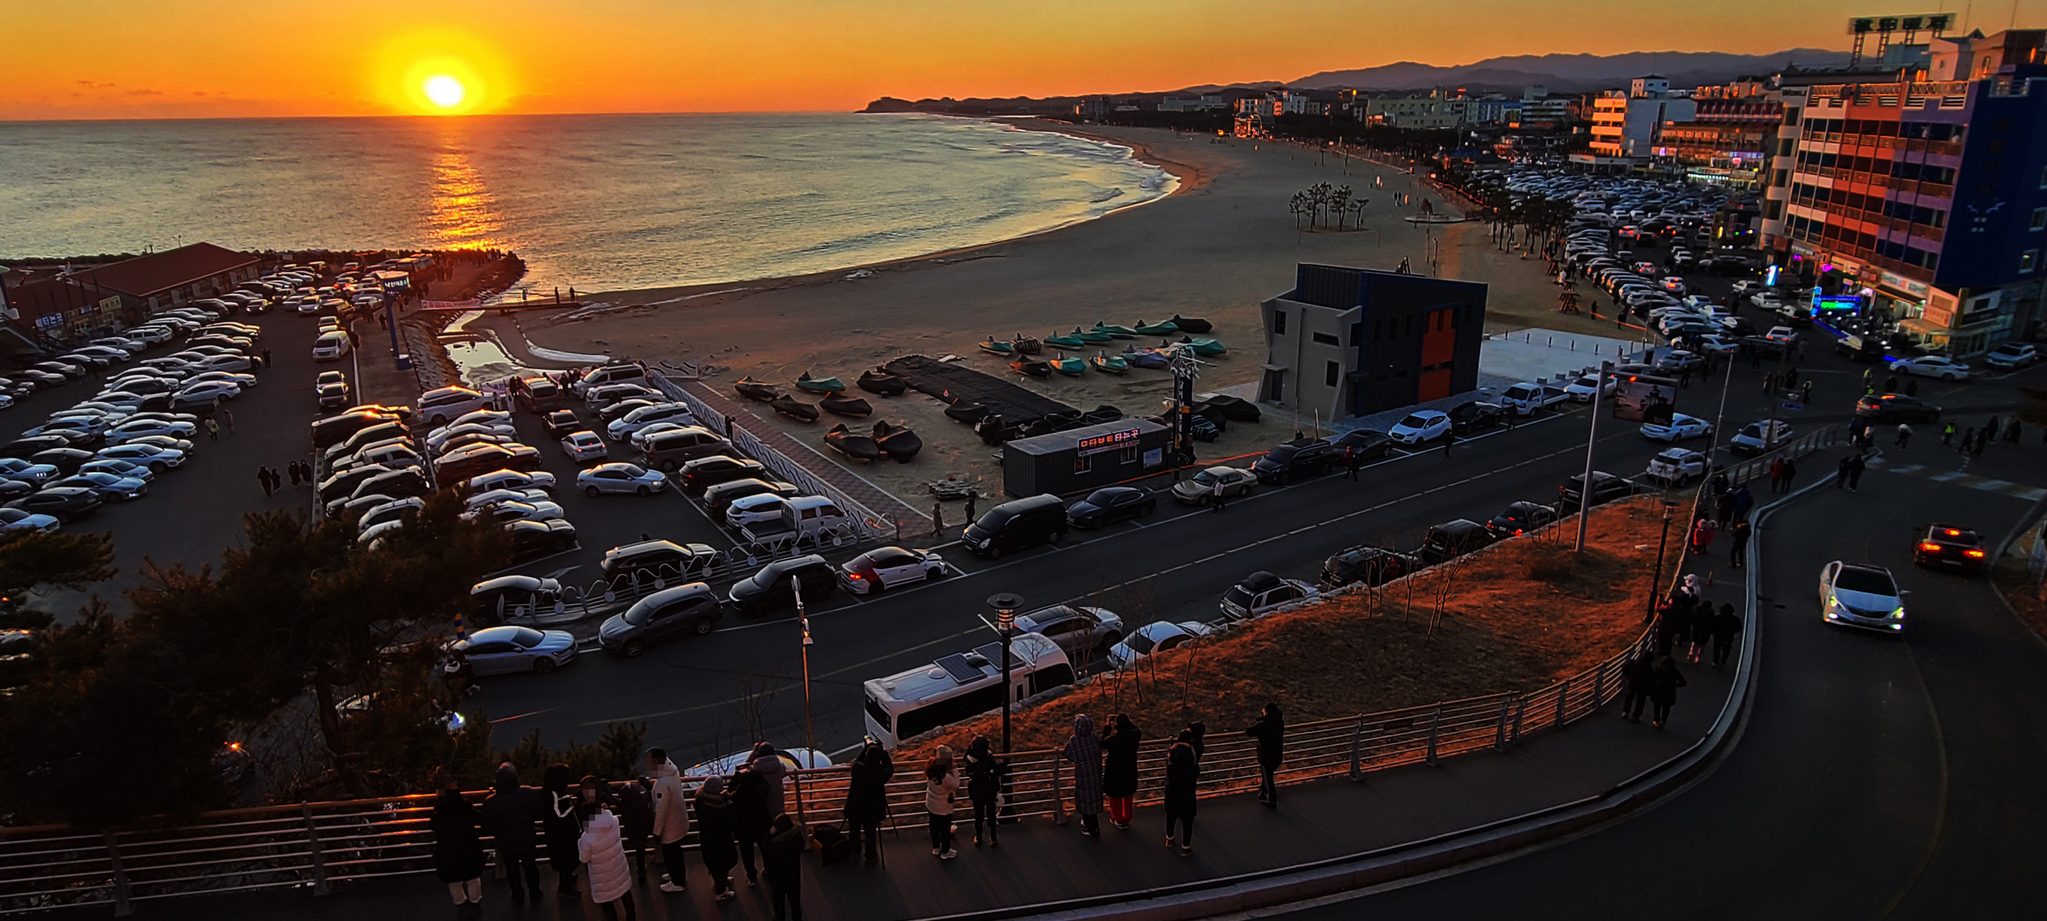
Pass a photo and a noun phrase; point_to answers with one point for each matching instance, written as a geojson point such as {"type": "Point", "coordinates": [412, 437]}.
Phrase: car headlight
{"type": "Point", "coordinates": [1899, 613]}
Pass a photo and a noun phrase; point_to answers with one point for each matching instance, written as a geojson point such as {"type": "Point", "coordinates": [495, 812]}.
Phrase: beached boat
{"type": "Point", "coordinates": [1109, 364]}
{"type": "Point", "coordinates": [1120, 332]}
{"type": "Point", "coordinates": [1192, 324]}
{"type": "Point", "coordinates": [1091, 336]}
{"type": "Point", "coordinates": [842, 405]}
{"type": "Point", "coordinates": [820, 384]}
{"type": "Point", "coordinates": [996, 346]}
{"type": "Point", "coordinates": [1028, 345]}
{"type": "Point", "coordinates": [756, 390]}
{"type": "Point", "coordinates": [851, 443]}
{"type": "Point", "coordinates": [794, 408]}
{"type": "Point", "coordinates": [1235, 409]}
{"type": "Point", "coordinates": [1161, 328]}
{"type": "Point", "coordinates": [1146, 358]}
{"type": "Point", "coordinates": [882, 382]}
{"type": "Point", "coordinates": [1058, 341]}
{"type": "Point", "coordinates": [1071, 367]}
{"type": "Point", "coordinates": [897, 441]}
{"type": "Point", "coordinates": [1202, 345]}
{"type": "Point", "coordinates": [1102, 412]}
{"type": "Point", "coordinates": [968, 412]}
{"type": "Point", "coordinates": [1032, 367]}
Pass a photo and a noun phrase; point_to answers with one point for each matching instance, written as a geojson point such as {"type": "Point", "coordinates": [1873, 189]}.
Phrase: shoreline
{"type": "Point", "coordinates": [1188, 176]}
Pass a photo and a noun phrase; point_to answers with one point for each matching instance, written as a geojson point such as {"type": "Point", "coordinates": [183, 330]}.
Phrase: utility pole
{"type": "Point", "coordinates": [803, 617]}
{"type": "Point", "coordinates": [1005, 605]}
{"type": "Point", "coordinates": [1591, 443]}
{"type": "Point", "coordinates": [1713, 437]}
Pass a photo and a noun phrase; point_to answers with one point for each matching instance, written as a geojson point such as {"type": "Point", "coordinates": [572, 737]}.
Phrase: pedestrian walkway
{"type": "Point", "coordinates": [1959, 478]}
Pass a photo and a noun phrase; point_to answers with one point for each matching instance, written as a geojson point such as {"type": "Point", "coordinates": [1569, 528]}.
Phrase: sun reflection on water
{"type": "Point", "coordinates": [461, 213]}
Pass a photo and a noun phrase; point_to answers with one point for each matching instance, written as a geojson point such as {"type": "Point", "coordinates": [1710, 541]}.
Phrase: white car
{"type": "Point", "coordinates": [1581, 390]}
{"type": "Point", "coordinates": [793, 759]}
{"type": "Point", "coordinates": [516, 511]}
{"type": "Point", "coordinates": [585, 446]}
{"type": "Point", "coordinates": [1784, 334]}
{"type": "Point", "coordinates": [1156, 637]}
{"type": "Point", "coordinates": [752, 509]}
{"type": "Point", "coordinates": [2012, 355]}
{"type": "Point", "coordinates": [225, 363]}
{"type": "Point", "coordinates": [1681, 427]}
{"type": "Point", "coordinates": [1676, 466]}
{"type": "Point", "coordinates": [14, 519]}
{"type": "Point", "coordinates": [887, 567]}
{"type": "Point", "coordinates": [394, 510]}
{"type": "Point", "coordinates": [484, 417]}
{"type": "Point", "coordinates": [205, 393]}
{"type": "Point", "coordinates": [1261, 593]}
{"type": "Point", "coordinates": [625, 426]}
{"type": "Point", "coordinates": [642, 437]}
{"type": "Point", "coordinates": [156, 458]}
{"type": "Point", "coordinates": [436, 407]}
{"type": "Point", "coordinates": [1946, 369]}
{"type": "Point", "coordinates": [445, 434]}
{"type": "Point", "coordinates": [1751, 440]}
{"type": "Point", "coordinates": [620, 478]}
{"type": "Point", "coordinates": [1420, 426]}
{"type": "Point", "coordinates": [511, 479]}
{"type": "Point", "coordinates": [141, 428]}
{"type": "Point", "coordinates": [244, 381]}
{"type": "Point", "coordinates": [119, 468]}
{"type": "Point", "coordinates": [1861, 595]}
{"type": "Point", "coordinates": [1713, 343]}
{"type": "Point", "coordinates": [330, 346]}
{"type": "Point", "coordinates": [504, 494]}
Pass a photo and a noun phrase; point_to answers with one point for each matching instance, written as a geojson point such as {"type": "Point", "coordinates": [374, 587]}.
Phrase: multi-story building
{"type": "Point", "coordinates": [1439, 109]}
{"type": "Point", "coordinates": [1202, 103]}
{"type": "Point", "coordinates": [1539, 110]}
{"type": "Point", "coordinates": [1624, 122]}
{"type": "Point", "coordinates": [1927, 195]}
{"type": "Point", "coordinates": [1730, 134]}
{"type": "Point", "coordinates": [1350, 342]}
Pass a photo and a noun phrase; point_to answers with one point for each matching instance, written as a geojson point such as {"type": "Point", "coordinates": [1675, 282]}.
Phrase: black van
{"type": "Point", "coordinates": [1017, 525]}
{"type": "Point", "coordinates": [1453, 539]}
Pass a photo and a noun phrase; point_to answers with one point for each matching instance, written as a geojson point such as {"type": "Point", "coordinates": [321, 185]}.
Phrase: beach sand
{"type": "Point", "coordinates": [1215, 249]}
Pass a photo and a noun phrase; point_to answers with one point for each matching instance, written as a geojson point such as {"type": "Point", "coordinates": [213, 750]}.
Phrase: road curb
{"type": "Point", "coordinates": [1350, 873]}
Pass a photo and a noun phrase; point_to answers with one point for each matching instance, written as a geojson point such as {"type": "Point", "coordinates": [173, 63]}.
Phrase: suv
{"type": "Point", "coordinates": [656, 559]}
{"type": "Point", "coordinates": [693, 609]}
{"type": "Point", "coordinates": [1751, 441]}
{"type": "Point", "coordinates": [1518, 518]}
{"type": "Point", "coordinates": [1261, 592]}
{"type": "Point", "coordinates": [1605, 488]}
{"type": "Point", "coordinates": [705, 472]}
{"type": "Point", "coordinates": [1453, 539]}
{"type": "Point", "coordinates": [1369, 565]}
{"type": "Point", "coordinates": [668, 451]}
{"type": "Point", "coordinates": [768, 589]}
{"type": "Point", "coordinates": [2012, 355]}
{"type": "Point", "coordinates": [1298, 458]}
{"type": "Point", "coordinates": [439, 406]}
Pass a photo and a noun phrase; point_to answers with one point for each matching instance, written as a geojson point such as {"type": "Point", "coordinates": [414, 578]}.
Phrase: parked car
{"type": "Point", "coordinates": [64, 503]}
{"type": "Point", "coordinates": [439, 406]}
{"type": "Point", "coordinates": [1519, 518]}
{"type": "Point", "coordinates": [532, 540]}
{"type": "Point", "coordinates": [1605, 488]}
{"type": "Point", "coordinates": [511, 650]}
{"type": "Point", "coordinates": [1676, 466]}
{"type": "Point", "coordinates": [769, 589]}
{"type": "Point", "coordinates": [1153, 638]}
{"type": "Point", "coordinates": [493, 601]}
{"type": "Point", "coordinates": [561, 423]}
{"type": "Point", "coordinates": [1018, 524]}
{"type": "Point", "coordinates": [1582, 389]}
{"type": "Point", "coordinates": [1936, 366]}
{"type": "Point", "coordinates": [887, 567]}
{"type": "Point", "coordinates": [1453, 539]}
{"type": "Point", "coordinates": [585, 447]}
{"type": "Point", "coordinates": [2012, 355]}
{"type": "Point", "coordinates": [15, 519]}
{"type": "Point", "coordinates": [617, 479]}
{"type": "Point", "coordinates": [1753, 440]}
{"type": "Point", "coordinates": [1261, 592]}
{"type": "Point", "coordinates": [648, 560]}
{"type": "Point", "coordinates": [1362, 443]}
{"type": "Point", "coordinates": [1425, 425]}
{"type": "Point", "coordinates": [705, 472]}
{"type": "Point", "coordinates": [1679, 428]}
{"type": "Point", "coordinates": [1369, 565]}
{"type": "Point", "coordinates": [1476, 416]}
{"type": "Point", "coordinates": [721, 496]}
{"type": "Point", "coordinates": [156, 458]}
{"type": "Point", "coordinates": [691, 609]}
{"type": "Point", "coordinates": [1075, 629]}
{"type": "Point", "coordinates": [1302, 457]}
{"type": "Point", "coordinates": [510, 479]}
{"type": "Point", "coordinates": [1111, 504]}
{"type": "Point", "coordinates": [1199, 489]}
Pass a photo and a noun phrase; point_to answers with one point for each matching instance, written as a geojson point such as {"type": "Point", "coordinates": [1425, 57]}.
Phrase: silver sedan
{"type": "Point", "coordinates": [509, 650]}
{"type": "Point", "coordinates": [620, 478]}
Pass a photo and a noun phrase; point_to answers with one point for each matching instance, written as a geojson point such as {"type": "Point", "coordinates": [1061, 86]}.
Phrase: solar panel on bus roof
{"type": "Point", "coordinates": [956, 666]}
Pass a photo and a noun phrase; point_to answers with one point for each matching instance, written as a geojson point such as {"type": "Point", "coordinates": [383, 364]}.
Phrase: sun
{"type": "Point", "coordinates": [444, 91]}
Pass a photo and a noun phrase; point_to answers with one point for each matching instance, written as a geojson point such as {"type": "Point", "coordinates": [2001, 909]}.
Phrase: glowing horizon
{"type": "Point", "coordinates": [251, 58]}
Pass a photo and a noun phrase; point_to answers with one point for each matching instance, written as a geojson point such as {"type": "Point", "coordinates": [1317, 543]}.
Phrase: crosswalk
{"type": "Point", "coordinates": [1966, 480]}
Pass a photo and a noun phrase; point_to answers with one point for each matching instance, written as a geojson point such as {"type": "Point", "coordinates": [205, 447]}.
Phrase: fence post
{"type": "Point", "coordinates": [797, 776]}
{"type": "Point", "coordinates": [1435, 732]}
{"type": "Point", "coordinates": [1357, 742]}
{"type": "Point", "coordinates": [1563, 694]}
{"type": "Point", "coordinates": [1500, 730]}
{"type": "Point", "coordinates": [319, 853]}
{"type": "Point", "coordinates": [1520, 710]}
{"type": "Point", "coordinates": [1598, 688]}
{"type": "Point", "coordinates": [122, 906]}
{"type": "Point", "coordinates": [1058, 798]}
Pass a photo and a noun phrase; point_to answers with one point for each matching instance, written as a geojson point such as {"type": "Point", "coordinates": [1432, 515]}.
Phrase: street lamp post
{"type": "Point", "coordinates": [803, 617]}
{"type": "Point", "coordinates": [1005, 605]}
{"type": "Point", "coordinates": [1591, 445]}
{"type": "Point", "coordinates": [1656, 577]}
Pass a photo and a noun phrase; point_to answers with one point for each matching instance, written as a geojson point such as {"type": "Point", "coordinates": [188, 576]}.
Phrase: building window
{"type": "Point", "coordinates": [1326, 339]}
{"type": "Point", "coordinates": [1331, 373]}
{"type": "Point", "coordinates": [2028, 260]}
{"type": "Point", "coordinates": [2039, 219]}
{"type": "Point", "coordinates": [1378, 330]}
{"type": "Point", "coordinates": [1279, 323]}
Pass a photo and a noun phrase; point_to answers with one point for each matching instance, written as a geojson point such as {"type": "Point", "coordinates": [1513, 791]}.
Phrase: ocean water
{"type": "Point", "coordinates": [599, 202]}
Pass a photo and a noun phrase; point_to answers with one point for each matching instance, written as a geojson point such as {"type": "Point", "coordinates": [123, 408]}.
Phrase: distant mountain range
{"type": "Point", "coordinates": [1571, 73]}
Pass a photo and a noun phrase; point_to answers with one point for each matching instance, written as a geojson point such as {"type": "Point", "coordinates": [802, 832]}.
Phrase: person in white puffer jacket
{"type": "Point", "coordinates": [671, 817]}
{"type": "Point", "coordinates": [602, 849]}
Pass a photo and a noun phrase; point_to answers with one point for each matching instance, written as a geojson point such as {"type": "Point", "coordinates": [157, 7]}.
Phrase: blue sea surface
{"type": "Point", "coordinates": [600, 202]}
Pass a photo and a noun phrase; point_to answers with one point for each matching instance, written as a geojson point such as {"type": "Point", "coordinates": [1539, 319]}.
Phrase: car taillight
{"type": "Point", "coordinates": [1973, 554]}
{"type": "Point", "coordinates": [1930, 547]}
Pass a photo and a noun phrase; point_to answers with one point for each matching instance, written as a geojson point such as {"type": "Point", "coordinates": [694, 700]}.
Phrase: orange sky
{"type": "Point", "coordinates": [231, 58]}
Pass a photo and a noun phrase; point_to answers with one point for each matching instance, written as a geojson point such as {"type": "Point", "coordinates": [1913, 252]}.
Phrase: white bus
{"type": "Point", "coordinates": [960, 687]}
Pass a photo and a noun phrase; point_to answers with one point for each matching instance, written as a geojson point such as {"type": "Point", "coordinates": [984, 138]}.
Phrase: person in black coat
{"type": "Point", "coordinates": [715, 840]}
{"type": "Point", "coordinates": [867, 798]}
{"type": "Point", "coordinates": [1663, 688]}
{"type": "Point", "coordinates": [1199, 731]}
{"type": "Point", "coordinates": [1673, 621]}
{"type": "Point", "coordinates": [1702, 629]}
{"type": "Point", "coordinates": [750, 817]}
{"type": "Point", "coordinates": [984, 784]}
{"type": "Point", "coordinates": [1183, 774]}
{"type": "Point", "coordinates": [782, 851]}
{"type": "Point", "coordinates": [1639, 674]}
{"type": "Point", "coordinates": [458, 850]}
{"type": "Point", "coordinates": [1270, 731]}
{"type": "Point", "coordinates": [636, 821]}
{"type": "Point", "coordinates": [1726, 626]}
{"type": "Point", "coordinates": [1119, 767]}
{"type": "Point", "coordinates": [508, 814]}
{"type": "Point", "coordinates": [558, 817]}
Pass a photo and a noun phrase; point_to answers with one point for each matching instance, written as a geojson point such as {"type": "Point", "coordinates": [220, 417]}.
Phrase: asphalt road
{"type": "Point", "coordinates": [1877, 776]}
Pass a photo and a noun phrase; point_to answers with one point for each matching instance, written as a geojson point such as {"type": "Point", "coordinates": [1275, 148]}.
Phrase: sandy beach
{"type": "Point", "coordinates": [1215, 249]}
